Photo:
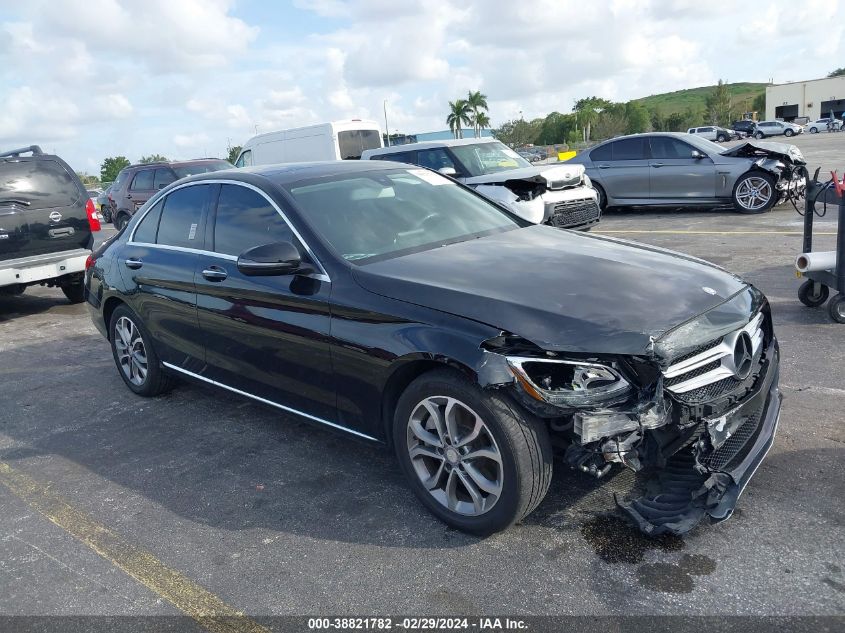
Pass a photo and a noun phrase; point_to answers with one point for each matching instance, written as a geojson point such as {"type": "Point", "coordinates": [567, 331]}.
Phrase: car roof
{"type": "Point", "coordinates": [174, 163]}
{"type": "Point", "coordinates": [287, 173]}
{"type": "Point", "coordinates": [449, 142]}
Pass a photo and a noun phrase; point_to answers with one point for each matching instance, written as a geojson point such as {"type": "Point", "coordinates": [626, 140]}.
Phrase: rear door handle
{"type": "Point", "coordinates": [215, 273]}
{"type": "Point", "coordinates": [604, 166]}
{"type": "Point", "coordinates": [133, 263]}
{"type": "Point", "coordinates": [657, 164]}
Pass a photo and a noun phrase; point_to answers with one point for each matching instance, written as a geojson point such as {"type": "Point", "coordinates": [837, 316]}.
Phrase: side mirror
{"type": "Point", "coordinates": [448, 171]}
{"type": "Point", "coordinates": [696, 154]}
{"type": "Point", "coordinates": [277, 258]}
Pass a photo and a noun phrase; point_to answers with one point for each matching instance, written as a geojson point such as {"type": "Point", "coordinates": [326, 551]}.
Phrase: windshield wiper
{"type": "Point", "coordinates": [26, 203]}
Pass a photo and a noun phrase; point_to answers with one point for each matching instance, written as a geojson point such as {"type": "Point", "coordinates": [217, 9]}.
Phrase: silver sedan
{"type": "Point", "coordinates": [673, 169]}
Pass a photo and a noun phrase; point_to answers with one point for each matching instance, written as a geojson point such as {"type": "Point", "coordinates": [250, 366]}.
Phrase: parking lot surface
{"type": "Point", "coordinates": [114, 504]}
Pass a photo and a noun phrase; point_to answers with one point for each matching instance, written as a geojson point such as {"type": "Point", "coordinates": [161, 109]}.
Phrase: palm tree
{"type": "Point", "coordinates": [477, 103]}
{"type": "Point", "coordinates": [482, 121]}
{"type": "Point", "coordinates": [459, 115]}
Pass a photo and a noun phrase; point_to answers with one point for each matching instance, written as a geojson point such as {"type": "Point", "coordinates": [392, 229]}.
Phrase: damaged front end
{"type": "Point", "coordinates": [782, 160]}
{"type": "Point", "coordinates": [558, 196]}
{"type": "Point", "coordinates": [696, 417]}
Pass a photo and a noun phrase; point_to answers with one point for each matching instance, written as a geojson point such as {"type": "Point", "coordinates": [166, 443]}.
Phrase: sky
{"type": "Point", "coordinates": [188, 78]}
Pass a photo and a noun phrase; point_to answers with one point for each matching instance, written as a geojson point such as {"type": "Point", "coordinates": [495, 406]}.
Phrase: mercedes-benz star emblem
{"type": "Point", "coordinates": [743, 356]}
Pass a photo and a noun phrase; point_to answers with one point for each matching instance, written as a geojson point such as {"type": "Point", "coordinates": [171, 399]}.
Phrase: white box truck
{"type": "Point", "coordinates": [336, 140]}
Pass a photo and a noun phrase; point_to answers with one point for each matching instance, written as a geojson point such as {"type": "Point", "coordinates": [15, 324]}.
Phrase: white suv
{"type": "Point", "coordinates": [713, 133]}
{"type": "Point", "coordinates": [777, 128]}
{"type": "Point", "coordinates": [824, 125]}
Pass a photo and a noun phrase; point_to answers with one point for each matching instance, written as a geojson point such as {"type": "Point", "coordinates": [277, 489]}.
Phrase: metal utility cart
{"type": "Point", "coordinates": [816, 289]}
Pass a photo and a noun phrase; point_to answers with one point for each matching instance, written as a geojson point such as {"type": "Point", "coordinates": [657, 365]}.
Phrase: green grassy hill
{"type": "Point", "coordinates": [742, 94]}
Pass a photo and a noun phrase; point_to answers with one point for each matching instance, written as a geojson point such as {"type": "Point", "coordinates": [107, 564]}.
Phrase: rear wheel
{"type": "Point", "coordinates": [134, 355]}
{"type": "Point", "coordinates": [754, 193]}
{"type": "Point", "coordinates": [473, 459]}
{"type": "Point", "coordinates": [812, 294]}
{"type": "Point", "coordinates": [121, 221]}
{"type": "Point", "coordinates": [75, 293]}
{"type": "Point", "coordinates": [814, 130]}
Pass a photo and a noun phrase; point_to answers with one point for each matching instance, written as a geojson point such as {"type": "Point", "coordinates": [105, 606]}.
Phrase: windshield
{"type": "Point", "coordinates": [381, 214]}
{"type": "Point", "coordinates": [706, 146]}
{"type": "Point", "coordinates": [480, 159]}
{"type": "Point", "coordinates": [201, 168]}
{"type": "Point", "coordinates": [352, 143]}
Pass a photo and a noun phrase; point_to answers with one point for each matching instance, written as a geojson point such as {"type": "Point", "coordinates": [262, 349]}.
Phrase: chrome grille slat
{"type": "Point", "coordinates": [720, 351]}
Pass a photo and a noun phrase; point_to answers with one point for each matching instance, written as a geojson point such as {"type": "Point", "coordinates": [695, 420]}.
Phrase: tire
{"type": "Point", "coordinates": [602, 196]}
{"type": "Point", "coordinates": [754, 192]}
{"type": "Point", "coordinates": [758, 135]}
{"type": "Point", "coordinates": [121, 221]}
{"type": "Point", "coordinates": [814, 130]}
{"type": "Point", "coordinates": [721, 138]}
{"type": "Point", "coordinates": [152, 381]}
{"type": "Point", "coordinates": [75, 293]}
{"type": "Point", "coordinates": [516, 464]}
{"type": "Point", "coordinates": [806, 296]}
{"type": "Point", "coordinates": [788, 133]}
{"type": "Point", "coordinates": [836, 308]}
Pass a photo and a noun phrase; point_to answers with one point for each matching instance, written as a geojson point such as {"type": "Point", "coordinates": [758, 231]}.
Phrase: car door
{"type": "Point", "coordinates": [141, 188]}
{"type": "Point", "coordinates": [623, 169]}
{"type": "Point", "coordinates": [158, 262]}
{"type": "Point", "coordinates": [266, 336]}
{"type": "Point", "coordinates": [674, 173]}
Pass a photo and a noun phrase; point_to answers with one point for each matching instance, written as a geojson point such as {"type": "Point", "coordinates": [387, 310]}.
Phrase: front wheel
{"type": "Point", "coordinates": [471, 457]}
{"type": "Point", "coordinates": [758, 135]}
{"type": "Point", "coordinates": [136, 360]}
{"type": "Point", "coordinates": [836, 308]}
{"type": "Point", "coordinates": [721, 138]}
{"type": "Point", "coordinates": [814, 130]}
{"type": "Point", "coordinates": [601, 195]}
{"type": "Point", "coordinates": [812, 294]}
{"type": "Point", "coordinates": [788, 133]}
{"type": "Point", "coordinates": [754, 193]}
{"type": "Point", "coordinates": [121, 221]}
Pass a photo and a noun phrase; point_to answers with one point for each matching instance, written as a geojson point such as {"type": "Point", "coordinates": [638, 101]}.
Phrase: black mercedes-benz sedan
{"type": "Point", "coordinates": [397, 305]}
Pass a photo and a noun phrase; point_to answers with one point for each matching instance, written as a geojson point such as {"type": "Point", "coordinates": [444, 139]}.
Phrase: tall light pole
{"type": "Point", "coordinates": [386, 128]}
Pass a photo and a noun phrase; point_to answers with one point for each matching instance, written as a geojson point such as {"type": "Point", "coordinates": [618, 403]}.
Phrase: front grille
{"type": "Point", "coordinates": [736, 446]}
{"type": "Point", "coordinates": [697, 351]}
{"type": "Point", "coordinates": [669, 382]}
{"type": "Point", "coordinates": [574, 213]}
{"type": "Point", "coordinates": [709, 392]}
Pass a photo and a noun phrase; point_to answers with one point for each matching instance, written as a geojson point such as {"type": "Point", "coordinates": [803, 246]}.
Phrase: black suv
{"type": "Point", "coordinates": [47, 222]}
{"type": "Point", "coordinates": [749, 127]}
{"type": "Point", "coordinates": [137, 183]}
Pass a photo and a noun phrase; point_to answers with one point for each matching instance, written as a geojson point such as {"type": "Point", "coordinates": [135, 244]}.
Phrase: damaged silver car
{"type": "Point", "coordinates": [683, 170]}
{"type": "Point", "coordinates": [558, 195]}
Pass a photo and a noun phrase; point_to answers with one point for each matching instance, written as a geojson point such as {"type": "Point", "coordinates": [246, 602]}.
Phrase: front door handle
{"type": "Point", "coordinates": [133, 263]}
{"type": "Point", "coordinates": [215, 273]}
{"type": "Point", "coordinates": [657, 164]}
{"type": "Point", "coordinates": [604, 166]}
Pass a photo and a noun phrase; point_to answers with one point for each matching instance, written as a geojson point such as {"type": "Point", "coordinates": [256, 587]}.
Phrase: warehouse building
{"type": "Point", "coordinates": [814, 99]}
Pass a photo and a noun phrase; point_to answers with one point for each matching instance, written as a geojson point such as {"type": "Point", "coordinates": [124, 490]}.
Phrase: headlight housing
{"type": "Point", "coordinates": [569, 383]}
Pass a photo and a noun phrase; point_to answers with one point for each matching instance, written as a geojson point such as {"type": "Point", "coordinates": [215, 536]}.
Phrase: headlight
{"type": "Point", "coordinates": [569, 383]}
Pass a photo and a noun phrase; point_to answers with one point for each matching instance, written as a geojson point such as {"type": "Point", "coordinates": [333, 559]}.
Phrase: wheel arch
{"type": "Point", "coordinates": [403, 373]}
{"type": "Point", "coordinates": [109, 306]}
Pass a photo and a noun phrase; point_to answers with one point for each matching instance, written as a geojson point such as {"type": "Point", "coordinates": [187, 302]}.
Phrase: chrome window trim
{"type": "Point", "coordinates": [322, 275]}
{"type": "Point", "coordinates": [269, 402]}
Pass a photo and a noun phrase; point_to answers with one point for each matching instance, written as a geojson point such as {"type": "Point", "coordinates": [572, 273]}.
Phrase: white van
{"type": "Point", "coordinates": [337, 140]}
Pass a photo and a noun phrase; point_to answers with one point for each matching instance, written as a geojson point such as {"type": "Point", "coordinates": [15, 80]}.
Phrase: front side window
{"type": "Point", "coordinates": [387, 213]}
{"type": "Point", "coordinates": [479, 159]}
{"type": "Point", "coordinates": [352, 143]}
{"type": "Point", "coordinates": [246, 219]}
{"type": "Point", "coordinates": [143, 180]}
{"type": "Point", "coordinates": [435, 159]}
{"type": "Point", "coordinates": [180, 217]}
{"type": "Point", "coordinates": [669, 147]}
{"type": "Point", "coordinates": [245, 159]}
{"type": "Point", "coordinates": [629, 149]}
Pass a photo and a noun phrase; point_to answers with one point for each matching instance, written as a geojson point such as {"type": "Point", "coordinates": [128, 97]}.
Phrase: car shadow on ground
{"type": "Point", "coordinates": [28, 304]}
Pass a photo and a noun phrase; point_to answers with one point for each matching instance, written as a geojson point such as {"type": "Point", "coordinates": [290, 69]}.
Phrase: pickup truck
{"type": "Point", "coordinates": [47, 224]}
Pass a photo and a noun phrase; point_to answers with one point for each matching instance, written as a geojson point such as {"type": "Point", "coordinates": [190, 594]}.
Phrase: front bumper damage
{"type": "Point", "coordinates": [694, 432]}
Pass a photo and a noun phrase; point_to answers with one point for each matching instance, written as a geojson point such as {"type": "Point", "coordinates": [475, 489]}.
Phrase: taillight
{"type": "Point", "coordinates": [89, 261]}
{"type": "Point", "coordinates": [93, 216]}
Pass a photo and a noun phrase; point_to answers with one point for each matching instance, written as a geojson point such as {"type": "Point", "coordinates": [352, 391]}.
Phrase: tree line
{"type": "Point", "coordinates": [595, 119]}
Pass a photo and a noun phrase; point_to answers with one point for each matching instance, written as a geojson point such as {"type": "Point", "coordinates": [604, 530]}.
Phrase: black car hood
{"type": "Point", "coordinates": [561, 290]}
{"type": "Point", "coordinates": [751, 149]}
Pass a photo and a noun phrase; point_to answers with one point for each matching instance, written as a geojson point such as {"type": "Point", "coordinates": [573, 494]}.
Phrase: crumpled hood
{"type": "Point", "coordinates": [561, 290]}
{"type": "Point", "coordinates": [554, 176]}
{"type": "Point", "coordinates": [751, 149]}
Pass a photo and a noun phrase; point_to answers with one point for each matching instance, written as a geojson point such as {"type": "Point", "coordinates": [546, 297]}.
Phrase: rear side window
{"type": "Point", "coordinates": [245, 219]}
{"type": "Point", "coordinates": [37, 184]}
{"type": "Point", "coordinates": [352, 143]}
{"type": "Point", "coordinates": [163, 177]}
{"type": "Point", "coordinates": [142, 180]}
{"type": "Point", "coordinates": [180, 217]}
{"type": "Point", "coordinates": [147, 229]}
{"type": "Point", "coordinates": [629, 149]}
{"type": "Point", "coordinates": [601, 153]}
{"type": "Point", "coordinates": [397, 157]}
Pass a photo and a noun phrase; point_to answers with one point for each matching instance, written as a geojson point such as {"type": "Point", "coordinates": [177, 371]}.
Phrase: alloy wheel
{"type": "Point", "coordinates": [455, 456]}
{"type": "Point", "coordinates": [131, 353]}
{"type": "Point", "coordinates": [754, 193]}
